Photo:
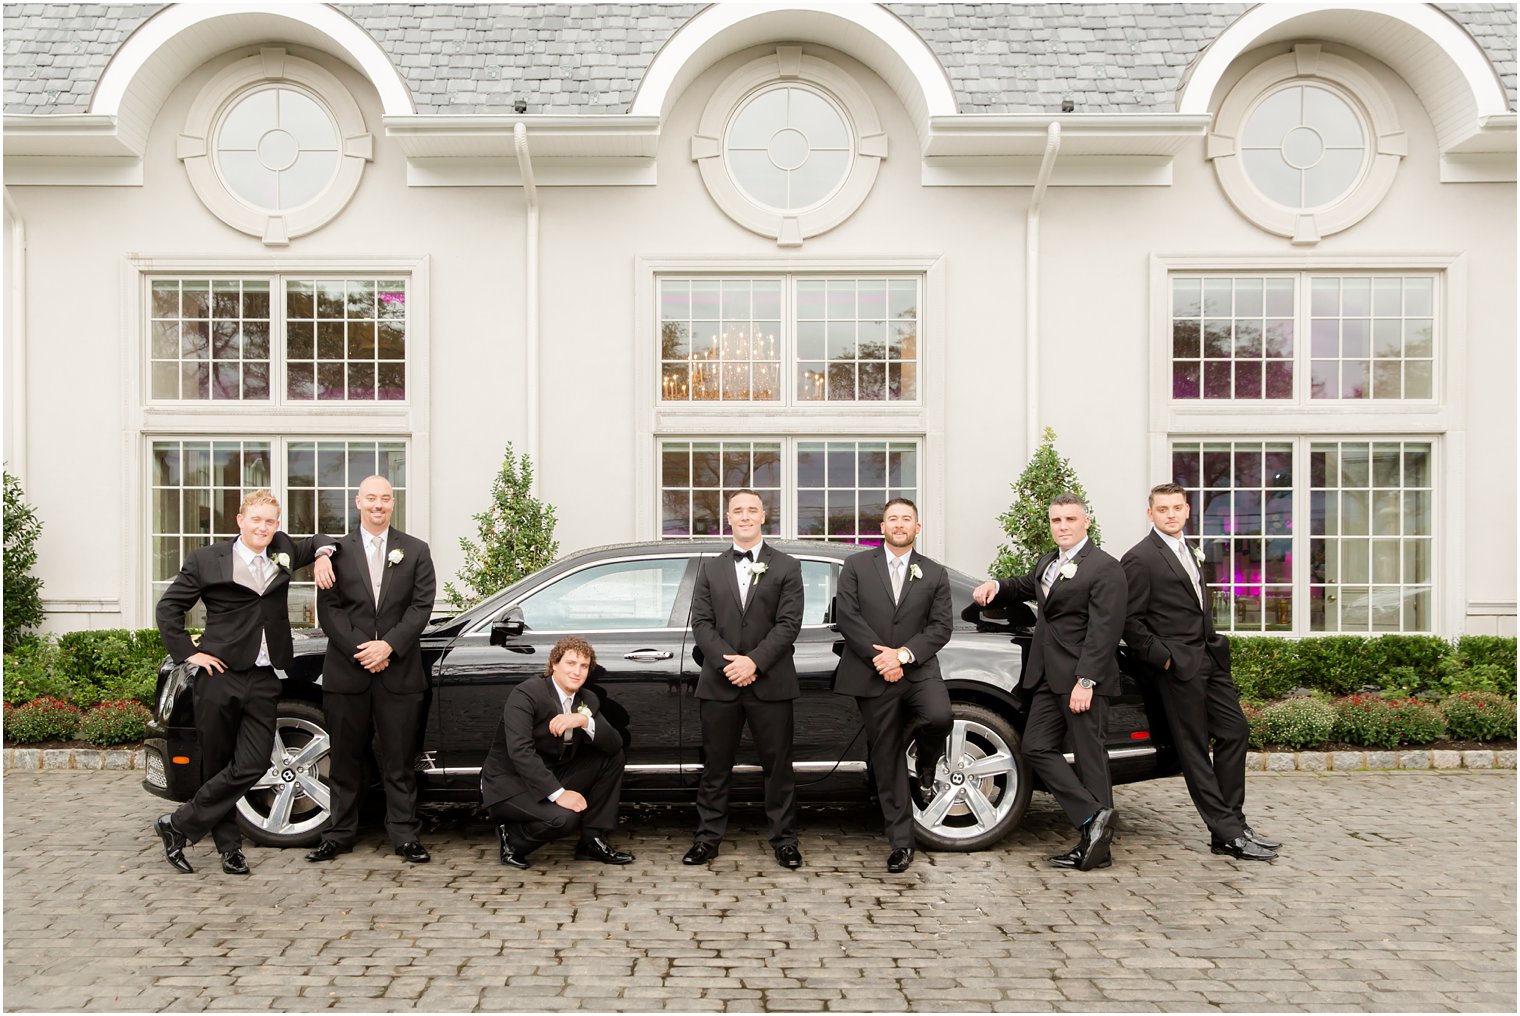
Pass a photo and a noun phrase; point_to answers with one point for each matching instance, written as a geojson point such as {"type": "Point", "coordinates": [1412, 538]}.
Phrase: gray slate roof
{"type": "Point", "coordinates": [589, 58]}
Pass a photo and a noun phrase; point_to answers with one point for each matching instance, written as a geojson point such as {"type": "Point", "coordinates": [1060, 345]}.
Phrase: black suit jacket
{"type": "Point", "coordinates": [1165, 621]}
{"type": "Point", "coordinates": [349, 615]}
{"type": "Point", "coordinates": [866, 615]}
{"type": "Point", "coordinates": [1079, 624]}
{"type": "Point", "coordinates": [764, 628]}
{"type": "Point", "coordinates": [235, 615]}
{"type": "Point", "coordinates": [523, 755]}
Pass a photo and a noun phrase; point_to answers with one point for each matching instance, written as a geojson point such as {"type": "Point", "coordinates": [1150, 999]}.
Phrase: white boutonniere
{"type": "Point", "coordinates": [1069, 570]}
{"type": "Point", "coordinates": [1198, 554]}
{"type": "Point", "coordinates": [757, 569]}
{"type": "Point", "coordinates": [395, 556]}
{"type": "Point", "coordinates": [583, 709]}
{"type": "Point", "coordinates": [915, 572]}
{"type": "Point", "coordinates": [283, 560]}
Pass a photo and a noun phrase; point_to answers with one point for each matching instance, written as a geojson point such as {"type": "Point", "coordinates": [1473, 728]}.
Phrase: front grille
{"type": "Point", "coordinates": [154, 774]}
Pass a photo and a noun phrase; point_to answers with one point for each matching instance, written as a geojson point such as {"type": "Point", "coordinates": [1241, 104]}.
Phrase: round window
{"type": "Point", "coordinates": [788, 148]}
{"type": "Point", "coordinates": [1304, 146]}
{"type": "Point", "coordinates": [277, 148]}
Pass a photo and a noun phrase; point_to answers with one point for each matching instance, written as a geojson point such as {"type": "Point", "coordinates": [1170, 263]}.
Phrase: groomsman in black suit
{"type": "Point", "coordinates": [373, 682]}
{"type": "Point", "coordinates": [746, 613]}
{"type": "Point", "coordinates": [244, 584]}
{"type": "Point", "coordinates": [1170, 629]}
{"type": "Point", "coordinates": [895, 615]}
{"type": "Point", "coordinates": [556, 765]}
{"type": "Point", "coordinates": [1070, 673]}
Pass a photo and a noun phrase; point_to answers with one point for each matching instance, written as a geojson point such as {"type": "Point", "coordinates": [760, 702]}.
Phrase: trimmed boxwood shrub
{"type": "Point", "coordinates": [115, 722]}
{"type": "Point", "coordinates": [32, 671]}
{"type": "Point", "coordinates": [1298, 723]}
{"type": "Point", "coordinates": [42, 719]}
{"type": "Point", "coordinates": [111, 664]}
{"type": "Point", "coordinates": [1267, 668]}
{"type": "Point", "coordinates": [1479, 716]}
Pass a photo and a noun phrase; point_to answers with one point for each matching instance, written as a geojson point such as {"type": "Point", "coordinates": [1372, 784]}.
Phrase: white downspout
{"type": "Point", "coordinates": [530, 193]}
{"type": "Point", "coordinates": [1032, 429]}
{"type": "Point", "coordinates": [16, 391]}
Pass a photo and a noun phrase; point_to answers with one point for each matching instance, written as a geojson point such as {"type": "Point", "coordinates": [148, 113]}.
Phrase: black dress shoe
{"type": "Point", "coordinates": [899, 859]}
{"type": "Point", "coordinates": [1073, 857]}
{"type": "Point", "coordinates": [1096, 836]}
{"type": "Point", "coordinates": [510, 855]}
{"type": "Point", "coordinates": [598, 849]}
{"type": "Point", "coordinates": [788, 856]}
{"type": "Point", "coordinates": [922, 788]}
{"type": "Point", "coordinates": [700, 853]}
{"type": "Point", "coordinates": [414, 852]}
{"type": "Point", "coordinates": [1261, 841]}
{"type": "Point", "coordinates": [174, 843]}
{"type": "Point", "coordinates": [234, 863]}
{"type": "Point", "coordinates": [327, 850]}
{"type": "Point", "coordinates": [1242, 849]}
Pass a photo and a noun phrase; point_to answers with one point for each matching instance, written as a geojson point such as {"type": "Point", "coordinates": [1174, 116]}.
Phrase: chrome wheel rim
{"type": "Point", "coordinates": [976, 784]}
{"type": "Point", "coordinates": [292, 797]}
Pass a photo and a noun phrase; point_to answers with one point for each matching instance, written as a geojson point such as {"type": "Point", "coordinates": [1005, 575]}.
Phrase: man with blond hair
{"type": "Point", "coordinates": [244, 584]}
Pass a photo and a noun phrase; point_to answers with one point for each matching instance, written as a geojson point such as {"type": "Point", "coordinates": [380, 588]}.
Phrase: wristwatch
{"type": "Point", "coordinates": [1087, 682]}
{"type": "Point", "coordinates": [904, 657]}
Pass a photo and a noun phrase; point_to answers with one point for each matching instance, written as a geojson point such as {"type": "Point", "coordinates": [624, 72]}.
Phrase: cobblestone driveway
{"type": "Point", "coordinates": [1396, 892]}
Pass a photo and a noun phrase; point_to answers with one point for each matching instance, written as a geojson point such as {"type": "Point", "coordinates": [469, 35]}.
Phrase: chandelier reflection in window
{"type": "Point", "coordinates": [732, 364]}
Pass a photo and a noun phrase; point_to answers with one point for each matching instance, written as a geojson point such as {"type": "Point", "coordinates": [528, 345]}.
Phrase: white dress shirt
{"type": "Point", "coordinates": [564, 707]}
{"type": "Point", "coordinates": [743, 569]}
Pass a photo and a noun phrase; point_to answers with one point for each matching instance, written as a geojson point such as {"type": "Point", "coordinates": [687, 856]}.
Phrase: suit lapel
{"type": "Point", "coordinates": [1177, 568]}
{"type": "Point", "coordinates": [1039, 576]}
{"type": "Point", "coordinates": [224, 559]}
{"type": "Point", "coordinates": [883, 572]}
{"type": "Point", "coordinates": [754, 578]}
{"type": "Point", "coordinates": [392, 542]}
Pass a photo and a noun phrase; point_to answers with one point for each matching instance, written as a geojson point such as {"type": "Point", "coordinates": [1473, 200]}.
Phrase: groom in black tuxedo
{"type": "Point", "coordinates": [745, 616]}
{"type": "Point", "coordinates": [1071, 672]}
{"type": "Point", "coordinates": [244, 584]}
{"type": "Point", "coordinates": [895, 615]}
{"type": "Point", "coordinates": [1170, 629]}
{"type": "Point", "coordinates": [373, 681]}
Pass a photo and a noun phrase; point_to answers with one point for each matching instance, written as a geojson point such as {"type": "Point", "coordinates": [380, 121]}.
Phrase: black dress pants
{"type": "Point", "coordinates": [234, 716]}
{"type": "Point", "coordinates": [907, 711]}
{"type": "Point", "coordinates": [532, 822]}
{"type": "Point", "coordinates": [391, 719]}
{"type": "Point", "coordinates": [1203, 707]}
{"type": "Point", "coordinates": [770, 724]}
{"type": "Point", "coordinates": [1081, 789]}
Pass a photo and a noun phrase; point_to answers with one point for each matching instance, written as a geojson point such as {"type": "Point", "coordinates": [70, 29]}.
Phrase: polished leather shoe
{"type": "Point", "coordinates": [174, 843]}
{"type": "Point", "coordinates": [510, 855]}
{"type": "Point", "coordinates": [1073, 857]}
{"type": "Point", "coordinates": [922, 788]}
{"type": "Point", "coordinates": [700, 853]}
{"type": "Point", "coordinates": [414, 852]}
{"type": "Point", "coordinates": [1242, 849]}
{"type": "Point", "coordinates": [1259, 840]}
{"type": "Point", "coordinates": [899, 859]}
{"type": "Point", "coordinates": [327, 850]}
{"type": "Point", "coordinates": [598, 849]}
{"type": "Point", "coordinates": [788, 856]}
{"type": "Point", "coordinates": [1096, 836]}
{"type": "Point", "coordinates": [234, 863]}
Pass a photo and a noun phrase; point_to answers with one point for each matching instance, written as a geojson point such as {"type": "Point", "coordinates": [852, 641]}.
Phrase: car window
{"type": "Point", "coordinates": [819, 579]}
{"type": "Point", "coordinates": [607, 597]}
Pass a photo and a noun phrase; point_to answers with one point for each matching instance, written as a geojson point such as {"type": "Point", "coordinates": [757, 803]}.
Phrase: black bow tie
{"type": "Point", "coordinates": [743, 555]}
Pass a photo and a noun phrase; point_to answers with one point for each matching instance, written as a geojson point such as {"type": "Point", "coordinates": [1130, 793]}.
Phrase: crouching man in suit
{"type": "Point", "coordinates": [244, 584]}
{"type": "Point", "coordinates": [555, 766]}
{"type": "Point", "coordinates": [1071, 672]}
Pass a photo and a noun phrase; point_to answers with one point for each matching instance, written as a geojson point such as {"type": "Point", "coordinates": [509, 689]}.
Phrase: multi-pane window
{"type": "Point", "coordinates": [1304, 146]}
{"type": "Point", "coordinates": [1360, 562]}
{"type": "Point", "coordinates": [198, 486]}
{"type": "Point", "coordinates": [277, 339]}
{"type": "Point", "coordinates": [789, 341]}
{"type": "Point", "coordinates": [1238, 337]}
{"type": "Point", "coordinates": [1370, 536]}
{"type": "Point", "coordinates": [813, 489]}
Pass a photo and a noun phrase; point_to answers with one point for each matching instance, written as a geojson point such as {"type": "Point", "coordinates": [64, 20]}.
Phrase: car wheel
{"type": "Point", "coordinates": [291, 802]}
{"type": "Point", "coordinates": [983, 787]}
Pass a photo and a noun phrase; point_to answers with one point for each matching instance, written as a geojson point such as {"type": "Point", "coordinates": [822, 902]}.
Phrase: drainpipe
{"type": "Point", "coordinates": [530, 193]}
{"type": "Point", "coordinates": [1032, 430]}
{"type": "Point", "coordinates": [16, 395]}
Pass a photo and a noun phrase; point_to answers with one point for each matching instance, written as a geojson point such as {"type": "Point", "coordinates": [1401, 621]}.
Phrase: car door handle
{"type": "Point", "coordinates": [648, 655]}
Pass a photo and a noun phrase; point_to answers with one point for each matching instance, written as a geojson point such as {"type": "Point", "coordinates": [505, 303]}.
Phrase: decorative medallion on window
{"type": "Point", "coordinates": [274, 146]}
{"type": "Point", "coordinates": [789, 146]}
{"type": "Point", "coordinates": [1307, 144]}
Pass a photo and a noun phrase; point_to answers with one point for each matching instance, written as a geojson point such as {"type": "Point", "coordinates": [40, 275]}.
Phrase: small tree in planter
{"type": "Point", "coordinates": [1027, 520]}
{"type": "Point", "coordinates": [516, 535]}
{"type": "Point", "coordinates": [23, 590]}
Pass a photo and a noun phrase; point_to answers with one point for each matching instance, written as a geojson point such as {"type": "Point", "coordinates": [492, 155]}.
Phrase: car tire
{"type": "Point", "coordinates": [290, 804]}
{"type": "Point", "coordinates": [984, 784]}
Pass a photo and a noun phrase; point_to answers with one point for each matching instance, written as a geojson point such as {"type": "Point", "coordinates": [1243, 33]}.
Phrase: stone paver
{"type": "Point", "coordinates": [1379, 903]}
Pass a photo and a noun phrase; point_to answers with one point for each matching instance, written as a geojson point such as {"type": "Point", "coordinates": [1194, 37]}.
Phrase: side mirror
{"type": "Point", "coordinates": [508, 626]}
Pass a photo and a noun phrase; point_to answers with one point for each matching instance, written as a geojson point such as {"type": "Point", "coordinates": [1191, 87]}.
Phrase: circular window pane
{"type": "Point", "coordinates": [788, 148]}
{"type": "Point", "coordinates": [277, 148]}
{"type": "Point", "coordinates": [1304, 147]}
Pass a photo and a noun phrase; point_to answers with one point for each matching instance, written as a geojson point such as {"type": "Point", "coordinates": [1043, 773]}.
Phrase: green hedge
{"type": "Point", "coordinates": [86, 668]}
{"type": "Point", "coordinates": [1400, 666]}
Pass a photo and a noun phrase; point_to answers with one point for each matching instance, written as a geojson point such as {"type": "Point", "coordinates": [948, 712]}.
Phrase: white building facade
{"type": "Point", "coordinates": [836, 253]}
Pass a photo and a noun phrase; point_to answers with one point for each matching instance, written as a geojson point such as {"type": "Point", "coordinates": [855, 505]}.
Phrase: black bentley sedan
{"type": "Point", "coordinates": [633, 603]}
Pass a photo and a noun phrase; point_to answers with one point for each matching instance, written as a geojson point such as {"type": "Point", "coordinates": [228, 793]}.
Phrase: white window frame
{"type": "Point", "coordinates": [143, 420]}
{"type": "Point", "coordinates": [1442, 421]}
{"type": "Point", "coordinates": [922, 420]}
